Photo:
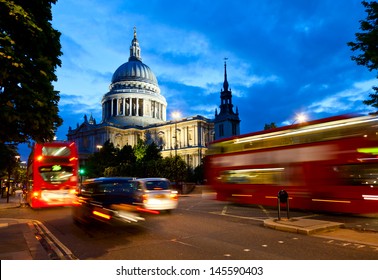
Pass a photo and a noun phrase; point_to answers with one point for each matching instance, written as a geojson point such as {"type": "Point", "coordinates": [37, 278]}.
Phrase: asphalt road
{"type": "Point", "coordinates": [198, 229]}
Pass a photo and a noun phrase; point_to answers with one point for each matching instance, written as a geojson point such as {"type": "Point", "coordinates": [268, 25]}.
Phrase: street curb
{"type": "Point", "coordinates": [301, 226]}
{"type": "Point", "coordinates": [54, 248]}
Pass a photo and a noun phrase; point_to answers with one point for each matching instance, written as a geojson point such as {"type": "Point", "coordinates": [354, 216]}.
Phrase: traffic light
{"type": "Point", "coordinates": [81, 173]}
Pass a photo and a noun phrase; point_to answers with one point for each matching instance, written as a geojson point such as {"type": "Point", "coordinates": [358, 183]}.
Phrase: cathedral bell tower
{"type": "Point", "coordinates": [227, 122]}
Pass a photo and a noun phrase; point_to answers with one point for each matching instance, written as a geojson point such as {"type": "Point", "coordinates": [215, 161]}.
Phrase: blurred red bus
{"type": "Point", "coordinates": [326, 165]}
{"type": "Point", "coordinates": [52, 174]}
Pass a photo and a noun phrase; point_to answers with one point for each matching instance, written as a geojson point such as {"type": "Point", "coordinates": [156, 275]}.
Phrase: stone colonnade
{"type": "Point", "coordinates": [134, 107]}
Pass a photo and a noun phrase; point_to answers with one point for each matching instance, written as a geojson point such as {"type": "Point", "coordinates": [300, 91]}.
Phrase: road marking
{"type": "Point", "coordinates": [240, 217]}
{"type": "Point", "coordinates": [224, 210]}
{"type": "Point", "coordinates": [182, 243]}
{"type": "Point", "coordinates": [260, 219]}
{"type": "Point", "coordinates": [265, 211]}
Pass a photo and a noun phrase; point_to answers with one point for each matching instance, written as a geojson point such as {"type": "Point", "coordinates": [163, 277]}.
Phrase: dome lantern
{"type": "Point", "coordinates": [134, 48]}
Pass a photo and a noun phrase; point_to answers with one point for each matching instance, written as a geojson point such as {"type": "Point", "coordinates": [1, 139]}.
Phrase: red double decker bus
{"type": "Point", "coordinates": [326, 165]}
{"type": "Point", "coordinates": [52, 174]}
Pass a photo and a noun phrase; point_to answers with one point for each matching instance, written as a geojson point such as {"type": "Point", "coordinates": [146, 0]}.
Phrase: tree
{"type": "Point", "coordinates": [270, 126]}
{"type": "Point", "coordinates": [99, 161]}
{"type": "Point", "coordinates": [198, 174]}
{"type": "Point", "coordinates": [126, 155]}
{"type": "Point", "coordinates": [173, 168]}
{"type": "Point", "coordinates": [147, 156]}
{"type": "Point", "coordinates": [8, 163]}
{"type": "Point", "coordinates": [140, 150]}
{"type": "Point", "coordinates": [153, 152]}
{"type": "Point", "coordinates": [8, 160]}
{"type": "Point", "coordinates": [143, 160]}
{"type": "Point", "coordinates": [367, 44]}
{"type": "Point", "coordinates": [29, 55]}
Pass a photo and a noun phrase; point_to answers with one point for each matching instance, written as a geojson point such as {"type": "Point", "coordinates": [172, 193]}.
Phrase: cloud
{"type": "Point", "coordinates": [346, 100]}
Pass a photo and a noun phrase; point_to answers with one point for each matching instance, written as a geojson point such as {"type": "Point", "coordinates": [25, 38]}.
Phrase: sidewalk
{"type": "Point", "coordinates": [25, 239]}
{"type": "Point", "coordinates": [19, 241]}
{"type": "Point", "coordinates": [14, 201]}
{"type": "Point", "coordinates": [18, 236]}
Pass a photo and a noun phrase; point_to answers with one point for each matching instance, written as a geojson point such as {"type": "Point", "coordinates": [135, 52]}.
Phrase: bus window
{"type": "Point", "coordinates": [358, 174]}
{"type": "Point", "coordinates": [271, 176]}
{"type": "Point", "coordinates": [56, 151]}
{"type": "Point", "coordinates": [56, 173]}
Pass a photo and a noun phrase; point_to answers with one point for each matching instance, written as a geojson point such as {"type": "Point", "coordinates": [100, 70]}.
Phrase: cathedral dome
{"type": "Point", "coordinates": [134, 97]}
{"type": "Point", "coordinates": [134, 70]}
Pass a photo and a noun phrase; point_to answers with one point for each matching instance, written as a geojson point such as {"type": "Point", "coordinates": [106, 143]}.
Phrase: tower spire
{"type": "Point", "coordinates": [226, 121]}
{"type": "Point", "coordinates": [225, 83]}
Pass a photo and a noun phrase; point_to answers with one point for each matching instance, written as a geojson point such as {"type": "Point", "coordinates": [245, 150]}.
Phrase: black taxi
{"type": "Point", "coordinates": [113, 201]}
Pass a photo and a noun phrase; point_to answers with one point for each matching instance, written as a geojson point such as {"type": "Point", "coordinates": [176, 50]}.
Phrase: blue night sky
{"type": "Point", "coordinates": [284, 57]}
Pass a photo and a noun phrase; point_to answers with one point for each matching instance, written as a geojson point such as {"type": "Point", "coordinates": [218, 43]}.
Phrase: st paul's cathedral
{"type": "Point", "coordinates": [134, 109]}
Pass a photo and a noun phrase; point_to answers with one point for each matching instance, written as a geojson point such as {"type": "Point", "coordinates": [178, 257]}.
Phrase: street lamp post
{"type": "Point", "coordinates": [300, 118]}
{"type": "Point", "coordinates": [175, 139]}
{"type": "Point", "coordinates": [176, 115]}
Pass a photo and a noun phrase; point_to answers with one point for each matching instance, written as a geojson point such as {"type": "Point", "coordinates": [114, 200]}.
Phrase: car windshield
{"type": "Point", "coordinates": [157, 185]}
{"type": "Point", "coordinates": [116, 187]}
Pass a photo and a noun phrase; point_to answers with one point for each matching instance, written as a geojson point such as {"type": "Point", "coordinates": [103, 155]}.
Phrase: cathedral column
{"type": "Point", "coordinates": [196, 131]}
{"type": "Point", "coordinates": [124, 107]}
{"type": "Point", "coordinates": [137, 107]}
{"type": "Point", "coordinates": [111, 107]}
{"type": "Point", "coordinates": [141, 107]}
{"type": "Point", "coordinates": [184, 136]}
{"type": "Point", "coordinates": [130, 106]}
{"type": "Point", "coordinates": [172, 138]}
